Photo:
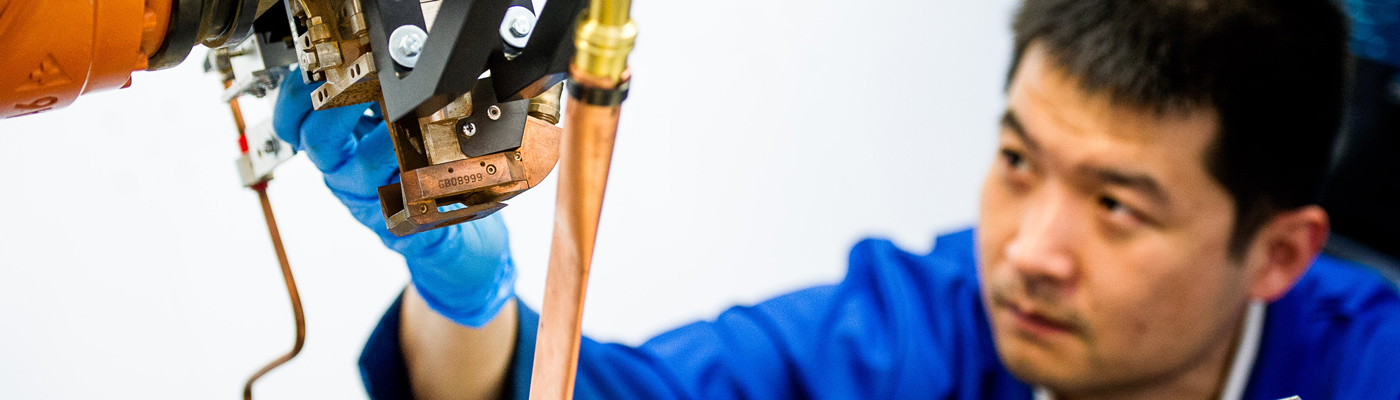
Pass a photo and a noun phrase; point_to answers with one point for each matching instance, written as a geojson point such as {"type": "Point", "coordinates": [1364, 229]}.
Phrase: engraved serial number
{"type": "Point", "coordinates": [460, 180]}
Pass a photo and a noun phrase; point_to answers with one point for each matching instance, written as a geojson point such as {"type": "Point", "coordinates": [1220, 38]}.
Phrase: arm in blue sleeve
{"type": "Point", "coordinates": [385, 373]}
{"type": "Point", "coordinates": [736, 355]}
{"type": "Point", "coordinates": [898, 326]}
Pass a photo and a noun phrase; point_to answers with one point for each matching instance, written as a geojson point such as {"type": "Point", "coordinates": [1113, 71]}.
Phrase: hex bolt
{"type": "Point", "coordinates": [517, 25]}
{"type": "Point", "coordinates": [491, 169]}
{"type": "Point", "coordinates": [493, 112]}
{"type": "Point", "coordinates": [411, 45]}
{"type": "Point", "coordinates": [469, 129]}
{"type": "Point", "coordinates": [406, 44]}
{"type": "Point", "coordinates": [521, 26]}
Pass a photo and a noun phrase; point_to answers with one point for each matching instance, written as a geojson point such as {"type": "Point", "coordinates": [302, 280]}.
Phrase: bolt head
{"type": "Point", "coordinates": [521, 26]}
{"type": "Point", "coordinates": [411, 45]}
{"type": "Point", "coordinates": [406, 44]}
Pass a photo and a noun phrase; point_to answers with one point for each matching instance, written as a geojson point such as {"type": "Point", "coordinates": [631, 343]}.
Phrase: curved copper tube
{"type": "Point", "coordinates": [297, 314]}
{"type": "Point", "coordinates": [291, 292]}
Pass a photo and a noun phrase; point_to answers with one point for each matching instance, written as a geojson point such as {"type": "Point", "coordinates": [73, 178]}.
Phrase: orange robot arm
{"type": "Point", "coordinates": [56, 50]}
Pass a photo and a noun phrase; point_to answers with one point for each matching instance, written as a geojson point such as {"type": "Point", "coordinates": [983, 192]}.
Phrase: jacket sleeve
{"type": "Point", "coordinates": [735, 349]}
{"type": "Point", "coordinates": [382, 366]}
{"type": "Point", "coordinates": [896, 327]}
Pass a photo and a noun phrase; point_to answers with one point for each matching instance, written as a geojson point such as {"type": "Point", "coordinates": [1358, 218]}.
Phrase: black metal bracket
{"type": "Point", "coordinates": [502, 133]}
{"type": "Point", "coordinates": [463, 43]}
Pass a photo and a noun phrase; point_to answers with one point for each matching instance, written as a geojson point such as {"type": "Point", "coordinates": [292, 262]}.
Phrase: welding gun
{"type": "Point", "coordinates": [465, 143]}
{"type": "Point", "coordinates": [469, 90]}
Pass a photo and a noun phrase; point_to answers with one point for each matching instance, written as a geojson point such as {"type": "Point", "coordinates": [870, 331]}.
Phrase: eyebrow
{"type": "Point", "coordinates": [1140, 182]}
{"type": "Point", "coordinates": [1010, 121]}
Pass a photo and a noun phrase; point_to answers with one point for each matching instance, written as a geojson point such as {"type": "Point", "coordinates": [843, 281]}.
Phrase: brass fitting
{"type": "Point", "coordinates": [604, 40]}
{"type": "Point", "coordinates": [546, 105]}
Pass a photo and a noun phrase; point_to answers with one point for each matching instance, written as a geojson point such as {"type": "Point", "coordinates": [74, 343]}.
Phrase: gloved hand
{"type": "Point", "coordinates": [464, 271]}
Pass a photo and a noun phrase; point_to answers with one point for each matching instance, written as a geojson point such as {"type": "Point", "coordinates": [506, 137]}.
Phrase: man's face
{"type": "Point", "coordinates": [1103, 240]}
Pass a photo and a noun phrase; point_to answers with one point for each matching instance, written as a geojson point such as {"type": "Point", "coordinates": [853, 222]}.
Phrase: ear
{"type": "Point", "coordinates": [1284, 249]}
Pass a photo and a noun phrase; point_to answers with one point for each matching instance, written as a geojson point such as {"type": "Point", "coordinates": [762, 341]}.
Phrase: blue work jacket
{"type": "Point", "coordinates": [1375, 30]}
{"type": "Point", "coordinates": [907, 326]}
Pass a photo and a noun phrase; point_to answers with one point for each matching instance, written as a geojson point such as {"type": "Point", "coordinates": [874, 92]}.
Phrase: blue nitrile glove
{"type": "Point", "coordinates": [464, 271]}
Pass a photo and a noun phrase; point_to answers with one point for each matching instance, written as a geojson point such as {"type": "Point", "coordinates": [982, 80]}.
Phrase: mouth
{"type": "Point", "coordinates": [1035, 323]}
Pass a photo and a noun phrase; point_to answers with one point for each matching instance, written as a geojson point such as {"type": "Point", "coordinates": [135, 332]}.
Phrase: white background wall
{"type": "Point", "coordinates": [762, 139]}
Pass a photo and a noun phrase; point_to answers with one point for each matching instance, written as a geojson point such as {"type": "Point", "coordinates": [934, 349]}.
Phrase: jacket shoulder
{"type": "Point", "coordinates": [1336, 334]}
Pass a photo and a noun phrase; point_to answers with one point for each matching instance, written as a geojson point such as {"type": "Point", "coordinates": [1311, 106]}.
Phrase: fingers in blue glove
{"type": "Point", "coordinates": [464, 271]}
{"type": "Point", "coordinates": [352, 149]}
{"type": "Point", "coordinates": [293, 106]}
{"type": "Point", "coordinates": [329, 137]}
{"type": "Point", "coordinates": [371, 164]}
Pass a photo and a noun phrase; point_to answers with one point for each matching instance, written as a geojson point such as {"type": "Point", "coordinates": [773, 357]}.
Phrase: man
{"type": "Point", "coordinates": [1148, 231]}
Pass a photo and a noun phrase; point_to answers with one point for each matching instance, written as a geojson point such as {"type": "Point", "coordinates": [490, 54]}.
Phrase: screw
{"type": "Point", "coordinates": [407, 42]}
{"type": "Point", "coordinates": [491, 169]}
{"type": "Point", "coordinates": [271, 146]}
{"type": "Point", "coordinates": [493, 112]}
{"type": "Point", "coordinates": [517, 156]}
{"type": "Point", "coordinates": [411, 45]}
{"type": "Point", "coordinates": [469, 129]}
{"type": "Point", "coordinates": [422, 208]}
{"type": "Point", "coordinates": [521, 26]}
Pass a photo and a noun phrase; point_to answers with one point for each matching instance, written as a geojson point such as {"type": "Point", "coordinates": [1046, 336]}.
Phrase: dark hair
{"type": "Point", "coordinates": [1272, 70]}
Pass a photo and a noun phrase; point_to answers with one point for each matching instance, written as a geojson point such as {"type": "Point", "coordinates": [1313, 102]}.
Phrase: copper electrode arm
{"type": "Point", "coordinates": [298, 316]}
{"type": "Point", "coordinates": [598, 85]}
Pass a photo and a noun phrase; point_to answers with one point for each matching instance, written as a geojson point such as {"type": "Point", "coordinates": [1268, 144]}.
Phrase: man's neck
{"type": "Point", "coordinates": [1222, 373]}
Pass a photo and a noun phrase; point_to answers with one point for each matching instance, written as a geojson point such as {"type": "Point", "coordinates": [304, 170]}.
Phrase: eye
{"type": "Point", "coordinates": [1117, 210]}
{"type": "Point", "coordinates": [1014, 160]}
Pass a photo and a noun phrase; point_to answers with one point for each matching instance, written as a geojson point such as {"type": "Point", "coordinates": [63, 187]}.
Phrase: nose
{"type": "Point", "coordinates": [1041, 249]}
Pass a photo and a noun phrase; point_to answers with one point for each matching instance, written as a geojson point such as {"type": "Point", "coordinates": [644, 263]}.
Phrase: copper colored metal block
{"type": "Point", "coordinates": [405, 219]}
{"type": "Point", "coordinates": [458, 177]}
{"type": "Point", "coordinates": [479, 184]}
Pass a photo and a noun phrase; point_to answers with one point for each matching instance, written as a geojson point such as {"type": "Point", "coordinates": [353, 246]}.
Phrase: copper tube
{"type": "Point", "coordinates": [297, 314]}
{"type": "Point", "coordinates": [291, 293]}
{"type": "Point", "coordinates": [585, 155]}
{"type": "Point", "coordinates": [237, 112]}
